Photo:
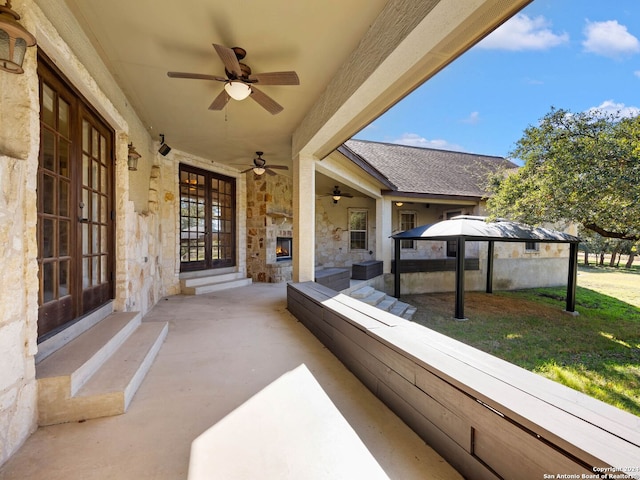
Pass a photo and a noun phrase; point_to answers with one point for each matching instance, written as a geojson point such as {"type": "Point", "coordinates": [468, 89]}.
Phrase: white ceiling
{"type": "Point", "coordinates": [141, 40]}
{"type": "Point", "coordinates": [399, 45]}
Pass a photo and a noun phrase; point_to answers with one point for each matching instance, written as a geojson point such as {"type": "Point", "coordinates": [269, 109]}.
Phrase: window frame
{"type": "Point", "coordinates": [352, 211]}
{"type": "Point", "coordinates": [401, 226]}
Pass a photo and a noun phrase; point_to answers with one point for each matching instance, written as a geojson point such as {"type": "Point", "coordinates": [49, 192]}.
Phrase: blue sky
{"type": "Point", "coordinates": [570, 54]}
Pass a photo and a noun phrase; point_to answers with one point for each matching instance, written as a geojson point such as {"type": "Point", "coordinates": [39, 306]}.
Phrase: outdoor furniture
{"type": "Point", "coordinates": [366, 270]}
{"type": "Point", "coordinates": [335, 278]}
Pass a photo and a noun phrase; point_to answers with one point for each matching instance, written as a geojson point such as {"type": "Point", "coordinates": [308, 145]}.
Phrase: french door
{"type": "Point", "coordinates": [207, 220]}
{"type": "Point", "coordinates": [75, 204]}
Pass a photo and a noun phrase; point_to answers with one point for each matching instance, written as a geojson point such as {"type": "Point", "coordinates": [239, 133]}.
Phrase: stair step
{"type": "Point", "coordinates": [363, 292]}
{"type": "Point", "coordinates": [387, 304]}
{"type": "Point", "coordinates": [400, 308]}
{"type": "Point", "coordinates": [80, 358]}
{"type": "Point", "coordinates": [408, 314]}
{"type": "Point", "coordinates": [122, 374]}
{"type": "Point", "coordinates": [216, 286]}
{"type": "Point", "coordinates": [211, 279]}
{"type": "Point", "coordinates": [375, 298]}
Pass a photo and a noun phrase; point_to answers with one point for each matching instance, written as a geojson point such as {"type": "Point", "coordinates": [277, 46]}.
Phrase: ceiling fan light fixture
{"type": "Point", "coordinates": [237, 90]}
{"type": "Point", "coordinates": [336, 198]}
{"type": "Point", "coordinates": [259, 170]}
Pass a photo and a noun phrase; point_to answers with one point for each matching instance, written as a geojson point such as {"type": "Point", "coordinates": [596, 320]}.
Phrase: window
{"type": "Point", "coordinates": [407, 222]}
{"type": "Point", "coordinates": [532, 246]}
{"type": "Point", "coordinates": [358, 227]}
{"type": "Point", "coordinates": [452, 245]}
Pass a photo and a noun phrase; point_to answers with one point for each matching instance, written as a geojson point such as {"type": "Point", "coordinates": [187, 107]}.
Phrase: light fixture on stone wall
{"type": "Point", "coordinates": [132, 159]}
{"type": "Point", "coordinates": [399, 204]}
{"type": "Point", "coordinates": [14, 40]}
{"type": "Point", "coordinates": [164, 148]}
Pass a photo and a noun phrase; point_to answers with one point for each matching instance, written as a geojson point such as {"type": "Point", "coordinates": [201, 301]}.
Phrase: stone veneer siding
{"type": "Point", "coordinates": [269, 215]}
{"type": "Point", "coordinates": [19, 144]}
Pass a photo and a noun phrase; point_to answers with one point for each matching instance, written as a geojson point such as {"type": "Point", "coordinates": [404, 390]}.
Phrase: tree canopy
{"type": "Point", "coordinates": [579, 167]}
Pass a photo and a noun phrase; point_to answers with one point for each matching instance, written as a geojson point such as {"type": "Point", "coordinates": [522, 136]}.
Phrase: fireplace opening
{"type": "Point", "coordinates": [284, 246]}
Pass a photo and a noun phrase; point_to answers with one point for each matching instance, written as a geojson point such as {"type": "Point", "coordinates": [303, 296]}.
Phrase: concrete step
{"type": "Point", "coordinates": [214, 286]}
{"type": "Point", "coordinates": [387, 304]}
{"type": "Point", "coordinates": [384, 302]}
{"type": "Point", "coordinates": [375, 298]}
{"type": "Point", "coordinates": [111, 389]}
{"type": "Point", "coordinates": [79, 359]}
{"type": "Point", "coordinates": [408, 314]}
{"type": "Point", "coordinates": [363, 292]}
{"type": "Point", "coordinates": [209, 279]}
{"type": "Point", "coordinates": [400, 308]}
{"type": "Point", "coordinates": [97, 374]}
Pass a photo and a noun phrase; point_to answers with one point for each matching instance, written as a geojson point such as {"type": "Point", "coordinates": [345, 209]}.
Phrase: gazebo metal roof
{"type": "Point", "coordinates": [475, 228]}
{"type": "Point", "coordinates": [478, 229]}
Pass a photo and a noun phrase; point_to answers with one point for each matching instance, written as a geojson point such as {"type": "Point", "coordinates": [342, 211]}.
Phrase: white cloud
{"type": "Point", "coordinates": [524, 33]}
{"type": "Point", "coordinates": [472, 119]}
{"type": "Point", "coordinates": [637, 73]}
{"type": "Point", "coordinates": [415, 140]}
{"type": "Point", "coordinates": [609, 39]}
{"type": "Point", "coordinates": [609, 107]}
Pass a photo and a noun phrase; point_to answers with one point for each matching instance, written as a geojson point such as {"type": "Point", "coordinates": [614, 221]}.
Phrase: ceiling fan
{"type": "Point", "coordinates": [337, 194]}
{"type": "Point", "coordinates": [240, 83]}
{"type": "Point", "coordinates": [260, 166]}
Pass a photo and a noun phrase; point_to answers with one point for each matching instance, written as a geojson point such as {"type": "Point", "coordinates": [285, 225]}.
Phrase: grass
{"type": "Point", "coordinates": [596, 352]}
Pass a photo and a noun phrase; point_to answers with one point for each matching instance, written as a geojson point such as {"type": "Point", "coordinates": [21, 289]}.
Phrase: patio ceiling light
{"type": "Point", "coordinates": [14, 40]}
{"type": "Point", "coordinates": [237, 90]}
{"type": "Point", "coordinates": [258, 170]}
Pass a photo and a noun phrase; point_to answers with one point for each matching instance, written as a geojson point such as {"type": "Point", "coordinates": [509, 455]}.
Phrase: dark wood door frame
{"type": "Point", "coordinates": [207, 219]}
{"type": "Point", "coordinates": [75, 204]}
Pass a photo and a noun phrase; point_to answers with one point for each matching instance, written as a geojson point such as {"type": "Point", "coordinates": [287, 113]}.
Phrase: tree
{"type": "Point", "coordinates": [578, 167]}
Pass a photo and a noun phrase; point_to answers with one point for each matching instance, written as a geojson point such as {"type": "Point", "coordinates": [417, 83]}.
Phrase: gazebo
{"type": "Point", "coordinates": [475, 228]}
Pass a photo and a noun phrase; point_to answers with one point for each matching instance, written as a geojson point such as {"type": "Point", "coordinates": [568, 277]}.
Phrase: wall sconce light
{"type": "Point", "coordinates": [14, 40]}
{"type": "Point", "coordinates": [399, 204]}
{"type": "Point", "coordinates": [132, 159]}
{"type": "Point", "coordinates": [164, 148]}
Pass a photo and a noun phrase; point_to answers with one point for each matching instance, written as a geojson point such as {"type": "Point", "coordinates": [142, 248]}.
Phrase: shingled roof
{"type": "Point", "coordinates": [429, 171]}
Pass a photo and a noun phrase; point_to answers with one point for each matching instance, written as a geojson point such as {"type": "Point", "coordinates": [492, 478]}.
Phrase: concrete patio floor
{"type": "Point", "coordinates": [222, 350]}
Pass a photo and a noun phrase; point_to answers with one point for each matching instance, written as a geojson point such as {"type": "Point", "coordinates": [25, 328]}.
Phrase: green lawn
{"type": "Point", "coordinates": [596, 352]}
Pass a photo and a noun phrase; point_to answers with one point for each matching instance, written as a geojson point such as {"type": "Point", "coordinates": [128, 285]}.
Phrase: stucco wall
{"type": "Point", "coordinates": [332, 232]}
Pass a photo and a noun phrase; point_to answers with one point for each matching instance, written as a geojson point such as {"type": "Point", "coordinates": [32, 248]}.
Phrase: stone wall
{"type": "Point", "coordinates": [269, 215]}
{"type": "Point", "coordinates": [19, 142]}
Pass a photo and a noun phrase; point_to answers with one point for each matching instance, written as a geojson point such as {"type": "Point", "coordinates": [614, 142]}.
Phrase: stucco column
{"type": "Point", "coordinates": [304, 218]}
{"type": "Point", "coordinates": [383, 232]}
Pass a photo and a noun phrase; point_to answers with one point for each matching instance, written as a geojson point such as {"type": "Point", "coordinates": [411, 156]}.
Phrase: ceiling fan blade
{"type": "Point", "coordinates": [275, 78]}
{"type": "Point", "coordinates": [220, 101]}
{"type": "Point", "coordinates": [278, 167]}
{"type": "Point", "coordinates": [247, 170]}
{"type": "Point", "coordinates": [197, 76]}
{"type": "Point", "coordinates": [269, 171]}
{"type": "Point", "coordinates": [229, 59]}
{"type": "Point", "coordinates": [265, 101]}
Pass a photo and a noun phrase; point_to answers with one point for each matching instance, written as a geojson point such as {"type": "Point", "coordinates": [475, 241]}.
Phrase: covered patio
{"type": "Point", "coordinates": [225, 353]}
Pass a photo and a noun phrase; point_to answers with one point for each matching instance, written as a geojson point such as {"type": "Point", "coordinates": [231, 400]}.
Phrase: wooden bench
{"type": "Point", "coordinates": [334, 278]}
{"type": "Point", "coordinates": [366, 270]}
{"type": "Point", "coordinates": [478, 411]}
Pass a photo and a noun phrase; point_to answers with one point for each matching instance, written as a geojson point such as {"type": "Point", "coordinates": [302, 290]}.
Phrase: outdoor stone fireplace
{"type": "Point", "coordinates": [269, 228]}
{"type": "Point", "coordinates": [284, 248]}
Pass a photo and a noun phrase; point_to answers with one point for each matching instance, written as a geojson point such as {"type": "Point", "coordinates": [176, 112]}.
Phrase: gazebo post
{"type": "Point", "coordinates": [572, 280]}
{"type": "Point", "coordinates": [490, 267]}
{"type": "Point", "coordinates": [459, 315]}
{"type": "Point", "coordinates": [396, 276]}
